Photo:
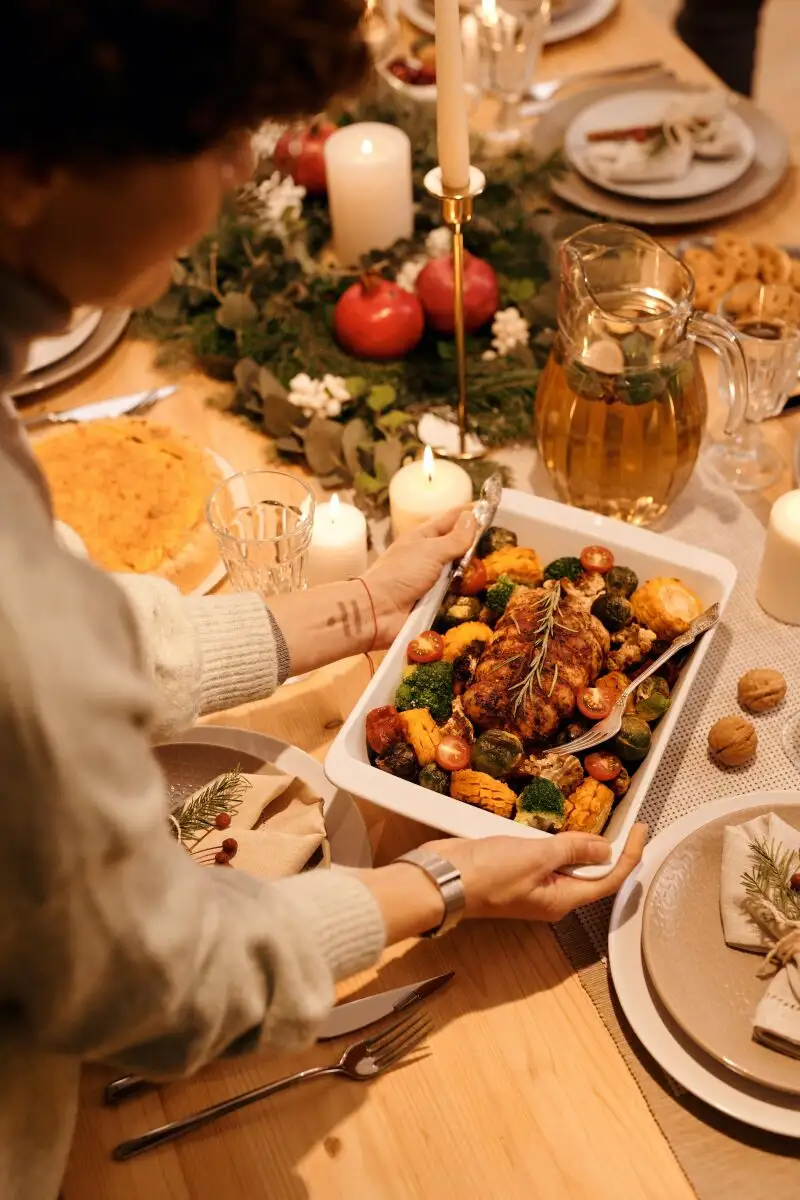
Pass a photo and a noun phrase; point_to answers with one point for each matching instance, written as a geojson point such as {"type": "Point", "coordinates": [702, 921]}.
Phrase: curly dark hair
{"type": "Point", "coordinates": [96, 81]}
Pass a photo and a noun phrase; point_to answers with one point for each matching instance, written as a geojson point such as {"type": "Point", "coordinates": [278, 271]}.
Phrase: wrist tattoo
{"type": "Point", "coordinates": [352, 621]}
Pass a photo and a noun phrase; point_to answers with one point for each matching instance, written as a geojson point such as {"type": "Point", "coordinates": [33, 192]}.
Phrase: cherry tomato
{"type": "Point", "coordinates": [427, 648]}
{"type": "Point", "coordinates": [603, 766]}
{"type": "Point", "coordinates": [597, 558]}
{"type": "Point", "coordinates": [474, 579]}
{"type": "Point", "coordinates": [383, 728]}
{"type": "Point", "coordinates": [453, 754]}
{"type": "Point", "coordinates": [595, 703]}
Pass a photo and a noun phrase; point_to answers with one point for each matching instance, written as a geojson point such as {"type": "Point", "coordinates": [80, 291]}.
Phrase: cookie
{"type": "Point", "coordinates": [742, 299]}
{"type": "Point", "coordinates": [795, 280]}
{"type": "Point", "coordinates": [774, 264]}
{"type": "Point", "coordinates": [739, 251]}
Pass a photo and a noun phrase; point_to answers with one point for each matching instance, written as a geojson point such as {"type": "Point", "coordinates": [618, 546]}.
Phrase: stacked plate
{"type": "Point", "coordinates": [688, 997]}
{"type": "Point", "coordinates": [570, 18]}
{"type": "Point", "coordinates": [54, 360]}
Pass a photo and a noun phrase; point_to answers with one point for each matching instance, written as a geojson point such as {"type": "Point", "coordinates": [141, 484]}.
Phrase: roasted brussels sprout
{"type": "Point", "coordinates": [613, 610]}
{"type": "Point", "coordinates": [652, 698]}
{"type": "Point", "coordinates": [460, 609]}
{"type": "Point", "coordinates": [400, 760]}
{"type": "Point", "coordinates": [434, 779]}
{"type": "Point", "coordinates": [496, 753]}
{"type": "Point", "coordinates": [542, 806]}
{"type": "Point", "coordinates": [622, 579]}
{"type": "Point", "coordinates": [430, 686]}
{"type": "Point", "coordinates": [571, 731]}
{"type": "Point", "coordinates": [499, 594]}
{"type": "Point", "coordinates": [633, 740]}
{"type": "Point", "coordinates": [620, 785]}
{"type": "Point", "coordinates": [564, 568]}
{"type": "Point", "coordinates": [495, 538]}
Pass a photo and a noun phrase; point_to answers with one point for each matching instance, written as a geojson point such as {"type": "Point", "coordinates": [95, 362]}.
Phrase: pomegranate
{"type": "Point", "coordinates": [300, 153]}
{"type": "Point", "coordinates": [436, 288]}
{"type": "Point", "coordinates": [376, 319]}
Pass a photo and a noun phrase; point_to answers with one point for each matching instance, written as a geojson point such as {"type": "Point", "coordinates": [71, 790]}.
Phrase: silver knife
{"type": "Point", "coordinates": [118, 407]}
{"type": "Point", "coordinates": [345, 1018]}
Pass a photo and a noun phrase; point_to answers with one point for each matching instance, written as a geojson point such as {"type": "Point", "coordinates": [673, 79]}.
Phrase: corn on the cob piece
{"type": "Point", "coordinates": [474, 787]}
{"type": "Point", "coordinates": [459, 637]}
{"type": "Point", "coordinates": [588, 807]}
{"type": "Point", "coordinates": [422, 732]}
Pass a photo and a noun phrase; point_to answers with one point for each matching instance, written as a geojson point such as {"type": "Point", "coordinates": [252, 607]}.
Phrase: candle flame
{"type": "Point", "coordinates": [366, 146]}
{"type": "Point", "coordinates": [333, 511]}
{"type": "Point", "coordinates": [428, 463]}
{"type": "Point", "coordinates": [489, 11]}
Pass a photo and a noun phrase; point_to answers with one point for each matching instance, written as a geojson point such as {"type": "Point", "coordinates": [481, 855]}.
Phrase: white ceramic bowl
{"type": "Point", "coordinates": [552, 530]}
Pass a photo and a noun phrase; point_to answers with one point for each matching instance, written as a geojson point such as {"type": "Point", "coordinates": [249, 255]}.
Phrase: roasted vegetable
{"type": "Point", "coordinates": [620, 785]}
{"type": "Point", "coordinates": [383, 728]}
{"type": "Point", "coordinates": [499, 594]}
{"type": "Point", "coordinates": [571, 731]}
{"type": "Point", "coordinates": [594, 703]}
{"type": "Point", "coordinates": [459, 609]}
{"type": "Point", "coordinates": [564, 770]}
{"type": "Point", "coordinates": [633, 740]}
{"type": "Point", "coordinates": [564, 568]}
{"type": "Point", "coordinates": [474, 579]}
{"type": "Point", "coordinates": [614, 683]}
{"type": "Point", "coordinates": [430, 686]}
{"type": "Point", "coordinates": [495, 539]}
{"type": "Point", "coordinates": [629, 648]}
{"type": "Point", "coordinates": [589, 807]}
{"type": "Point", "coordinates": [597, 558]}
{"type": "Point", "coordinates": [652, 698]}
{"type": "Point", "coordinates": [422, 732]}
{"type": "Point", "coordinates": [474, 787]}
{"type": "Point", "coordinates": [453, 753]}
{"type": "Point", "coordinates": [603, 766]}
{"type": "Point", "coordinates": [458, 724]}
{"type": "Point", "coordinates": [434, 779]}
{"type": "Point", "coordinates": [496, 753]}
{"type": "Point", "coordinates": [400, 760]}
{"type": "Point", "coordinates": [622, 579]}
{"type": "Point", "coordinates": [666, 606]}
{"type": "Point", "coordinates": [518, 563]}
{"type": "Point", "coordinates": [425, 648]}
{"type": "Point", "coordinates": [542, 806]}
{"type": "Point", "coordinates": [613, 610]}
{"type": "Point", "coordinates": [457, 639]}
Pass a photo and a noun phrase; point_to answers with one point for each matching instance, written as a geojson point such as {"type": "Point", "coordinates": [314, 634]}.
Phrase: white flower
{"type": "Point", "coordinates": [323, 396]}
{"type": "Point", "coordinates": [489, 355]}
{"type": "Point", "coordinates": [510, 330]}
{"type": "Point", "coordinates": [409, 273]}
{"type": "Point", "coordinates": [265, 139]}
{"type": "Point", "coordinates": [439, 242]}
{"type": "Point", "coordinates": [277, 201]}
{"type": "Point", "coordinates": [443, 436]}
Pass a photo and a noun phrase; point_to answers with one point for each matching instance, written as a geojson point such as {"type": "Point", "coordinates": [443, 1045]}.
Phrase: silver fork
{"type": "Point", "coordinates": [361, 1061]}
{"type": "Point", "coordinates": [611, 724]}
{"type": "Point", "coordinates": [550, 87]}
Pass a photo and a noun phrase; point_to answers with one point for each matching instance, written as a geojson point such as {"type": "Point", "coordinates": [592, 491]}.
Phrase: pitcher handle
{"type": "Point", "coordinates": [721, 337]}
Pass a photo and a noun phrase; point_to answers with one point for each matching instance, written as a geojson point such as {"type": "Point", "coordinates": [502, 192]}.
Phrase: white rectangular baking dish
{"type": "Point", "coordinates": [552, 530]}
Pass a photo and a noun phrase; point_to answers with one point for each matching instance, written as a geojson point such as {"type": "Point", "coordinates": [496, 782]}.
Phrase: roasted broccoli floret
{"type": "Point", "coordinates": [430, 685]}
{"type": "Point", "coordinates": [499, 594]}
{"type": "Point", "coordinates": [564, 568]}
{"type": "Point", "coordinates": [542, 806]}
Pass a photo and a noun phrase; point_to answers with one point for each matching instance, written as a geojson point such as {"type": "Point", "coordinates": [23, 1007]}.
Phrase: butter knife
{"type": "Point", "coordinates": [485, 512]}
{"type": "Point", "coordinates": [119, 406]}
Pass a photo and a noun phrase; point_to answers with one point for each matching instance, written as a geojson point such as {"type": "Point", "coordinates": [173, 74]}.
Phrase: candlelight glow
{"type": "Point", "coordinates": [333, 510]}
{"type": "Point", "coordinates": [428, 463]}
{"type": "Point", "coordinates": [366, 146]}
{"type": "Point", "coordinates": [489, 11]}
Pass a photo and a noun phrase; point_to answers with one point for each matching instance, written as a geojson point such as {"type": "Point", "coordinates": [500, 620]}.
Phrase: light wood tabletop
{"type": "Point", "coordinates": [523, 1094]}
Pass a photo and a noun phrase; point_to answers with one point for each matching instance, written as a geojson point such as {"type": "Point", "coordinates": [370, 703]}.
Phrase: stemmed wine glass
{"type": "Point", "coordinates": [509, 36]}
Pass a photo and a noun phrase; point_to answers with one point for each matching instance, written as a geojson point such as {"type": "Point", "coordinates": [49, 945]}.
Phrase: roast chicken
{"type": "Point", "coordinates": [498, 697]}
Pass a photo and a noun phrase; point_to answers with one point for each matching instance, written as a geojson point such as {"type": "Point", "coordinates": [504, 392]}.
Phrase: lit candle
{"type": "Point", "coordinates": [338, 547]}
{"type": "Point", "coordinates": [370, 190]}
{"type": "Point", "coordinates": [426, 488]}
{"type": "Point", "coordinates": [778, 587]}
{"type": "Point", "coordinates": [451, 101]}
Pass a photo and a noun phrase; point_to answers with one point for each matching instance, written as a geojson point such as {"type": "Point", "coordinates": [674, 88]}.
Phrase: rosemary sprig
{"type": "Point", "coordinates": [547, 611]}
{"type": "Point", "coordinates": [201, 811]}
{"type": "Point", "coordinates": [773, 867]}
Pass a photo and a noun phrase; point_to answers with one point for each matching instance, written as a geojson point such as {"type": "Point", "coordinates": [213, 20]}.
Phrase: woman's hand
{"type": "Point", "coordinates": [412, 565]}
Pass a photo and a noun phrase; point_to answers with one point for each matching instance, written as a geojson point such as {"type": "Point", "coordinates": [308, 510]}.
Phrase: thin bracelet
{"type": "Point", "coordinates": [358, 579]}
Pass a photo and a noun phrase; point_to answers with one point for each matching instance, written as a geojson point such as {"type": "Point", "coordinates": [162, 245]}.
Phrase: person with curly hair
{"type": "Point", "coordinates": [122, 127]}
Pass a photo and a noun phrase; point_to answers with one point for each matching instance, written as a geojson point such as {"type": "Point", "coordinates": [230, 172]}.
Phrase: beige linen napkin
{"type": "Point", "coordinates": [278, 825]}
{"type": "Point", "coordinates": [776, 1022]}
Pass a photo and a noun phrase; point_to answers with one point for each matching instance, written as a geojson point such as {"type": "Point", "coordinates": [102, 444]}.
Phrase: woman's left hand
{"type": "Point", "coordinates": [412, 565]}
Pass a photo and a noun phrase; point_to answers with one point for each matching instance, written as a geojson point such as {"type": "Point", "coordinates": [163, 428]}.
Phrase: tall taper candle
{"type": "Point", "coordinates": [451, 103]}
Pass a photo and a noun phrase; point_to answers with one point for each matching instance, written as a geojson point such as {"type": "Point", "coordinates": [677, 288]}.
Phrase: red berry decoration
{"type": "Point", "coordinates": [222, 820]}
{"type": "Point", "coordinates": [230, 846]}
{"type": "Point", "coordinates": [794, 882]}
{"type": "Point", "coordinates": [436, 290]}
{"type": "Point", "coordinates": [222, 859]}
{"type": "Point", "coordinates": [300, 152]}
{"type": "Point", "coordinates": [377, 319]}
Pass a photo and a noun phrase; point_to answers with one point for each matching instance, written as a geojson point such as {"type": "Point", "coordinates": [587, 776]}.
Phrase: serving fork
{"type": "Point", "coordinates": [484, 512]}
{"type": "Point", "coordinates": [612, 724]}
{"type": "Point", "coordinates": [361, 1062]}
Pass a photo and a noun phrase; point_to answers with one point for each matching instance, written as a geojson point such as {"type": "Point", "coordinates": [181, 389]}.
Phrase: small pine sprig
{"type": "Point", "coordinates": [769, 877]}
{"type": "Point", "coordinates": [547, 612]}
{"type": "Point", "coordinates": [199, 813]}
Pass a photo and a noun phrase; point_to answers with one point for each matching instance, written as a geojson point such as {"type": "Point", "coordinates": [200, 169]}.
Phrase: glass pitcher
{"type": "Point", "coordinates": [621, 406]}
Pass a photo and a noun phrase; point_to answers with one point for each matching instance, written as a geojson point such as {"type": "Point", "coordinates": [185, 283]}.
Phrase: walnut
{"type": "Point", "coordinates": [761, 690]}
{"type": "Point", "coordinates": [732, 741]}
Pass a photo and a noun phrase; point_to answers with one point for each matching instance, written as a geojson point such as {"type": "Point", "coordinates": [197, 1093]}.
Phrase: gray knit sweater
{"type": "Point", "coordinates": [114, 946]}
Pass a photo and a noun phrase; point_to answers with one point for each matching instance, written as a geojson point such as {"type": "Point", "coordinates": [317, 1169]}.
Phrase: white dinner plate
{"type": "Point", "coordinates": [698, 1072]}
{"type": "Point", "coordinates": [647, 107]}
{"type": "Point", "coordinates": [45, 351]}
{"type": "Point", "coordinates": [576, 20]}
{"type": "Point", "coordinates": [344, 825]}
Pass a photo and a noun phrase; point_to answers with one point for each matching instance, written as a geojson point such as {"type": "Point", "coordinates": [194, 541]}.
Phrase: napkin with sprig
{"type": "Point", "coordinates": [761, 913]}
{"type": "Point", "coordinates": [274, 821]}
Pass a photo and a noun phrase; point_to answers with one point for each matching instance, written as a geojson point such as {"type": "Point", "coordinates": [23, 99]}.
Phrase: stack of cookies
{"type": "Point", "coordinates": [734, 262]}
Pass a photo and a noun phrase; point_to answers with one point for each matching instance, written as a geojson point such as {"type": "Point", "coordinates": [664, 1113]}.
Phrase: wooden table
{"type": "Point", "coordinates": [524, 1094]}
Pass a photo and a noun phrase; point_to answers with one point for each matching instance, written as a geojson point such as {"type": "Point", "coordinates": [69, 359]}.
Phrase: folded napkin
{"type": "Point", "coordinates": [277, 823]}
{"type": "Point", "coordinates": [761, 928]}
{"type": "Point", "coordinates": [632, 161]}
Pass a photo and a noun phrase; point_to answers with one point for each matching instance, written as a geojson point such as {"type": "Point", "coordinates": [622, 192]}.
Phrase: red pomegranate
{"type": "Point", "coordinates": [376, 319]}
{"type": "Point", "coordinates": [436, 288]}
{"type": "Point", "coordinates": [300, 153]}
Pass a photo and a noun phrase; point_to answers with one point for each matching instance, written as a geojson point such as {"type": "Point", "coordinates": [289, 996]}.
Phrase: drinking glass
{"type": "Point", "coordinates": [263, 522]}
{"type": "Point", "coordinates": [510, 40]}
{"type": "Point", "coordinates": [767, 322]}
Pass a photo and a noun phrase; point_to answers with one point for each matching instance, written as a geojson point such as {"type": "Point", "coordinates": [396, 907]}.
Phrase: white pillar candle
{"type": "Point", "coordinates": [338, 547]}
{"type": "Point", "coordinates": [451, 100]}
{"type": "Point", "coordinates": [778, 587]}
{"type": "Point", "coordinates": [426, 488]}
{"type": "Point", "coordinates": [370, 189]}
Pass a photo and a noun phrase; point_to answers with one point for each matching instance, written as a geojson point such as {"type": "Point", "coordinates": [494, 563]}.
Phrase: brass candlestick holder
{"type": "Point", "coordinates": [457, 209]}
